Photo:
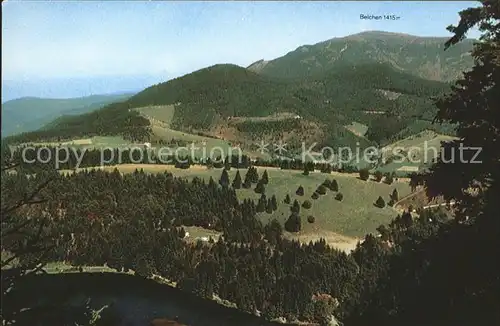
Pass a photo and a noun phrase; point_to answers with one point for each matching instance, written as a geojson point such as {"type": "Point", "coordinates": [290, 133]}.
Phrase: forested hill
{"type": "Point", "coordinates": [215, 85]}
{"type": "Point", "coordinates": [220, 90]}
{"type": "Point", "coordinates": [387, 100]}
{"type": "Point", "coordinates": [113, 119]}
{"type": "Point", "coordinates": [31, 113]}
{"type": "Point", "coordinates": [420, 56]}
{"type": "Point", "coordinates": [341, 95]}
{"type": "Point", "coordinates": [229, 90]}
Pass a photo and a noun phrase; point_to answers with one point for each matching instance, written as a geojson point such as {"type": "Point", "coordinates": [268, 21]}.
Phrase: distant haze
{"type": "Point", "coordinates": [77, 87]}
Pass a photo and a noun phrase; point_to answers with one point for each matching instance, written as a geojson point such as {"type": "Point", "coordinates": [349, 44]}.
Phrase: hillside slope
{"type": "Point", "coordinates": [31, 113]}
{"type": "Point", "coordinates": [223, 89]}
{"type": "Point", "coordinates": [341, 95]}
{"type": "Point", "coordinates": [421, 56]}
{"type": "Point", "coordinates": [112, 120]}
{"type": "Point", "coordinates": [229, 90]}
{"type": "Point", "coordinates": [207, 98]}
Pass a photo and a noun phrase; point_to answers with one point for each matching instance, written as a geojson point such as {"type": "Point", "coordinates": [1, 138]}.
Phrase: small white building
{"type": "Point", "coordinates": [147, 145]}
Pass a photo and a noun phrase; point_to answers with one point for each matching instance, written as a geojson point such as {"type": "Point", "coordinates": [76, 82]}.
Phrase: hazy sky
{"type": "Point", "coordinates": [54, 40]}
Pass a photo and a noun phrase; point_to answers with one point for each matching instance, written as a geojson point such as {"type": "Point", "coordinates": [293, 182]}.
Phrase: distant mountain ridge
{"type": "Point", "coordinates": [31, 113]}
{"type": "Point", "coordinates": [330, 84]}
{"type": "Point", "coordinates": [421, 56]}
{"type": "Point", "coordinates": [206, 98]}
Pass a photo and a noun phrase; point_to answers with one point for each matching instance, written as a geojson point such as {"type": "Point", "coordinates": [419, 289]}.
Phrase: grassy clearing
{"type": "Point", "coordinates": [419, 139]}
{"type": "Point", "coordinates": [357, 128]}
{"type": "Point", "coordinates": [160, 118]}
{"type": "Point", "coordinates": [93, 142]}
{"type": "Point", "coordinates": [204, 146]}
{"type": "Point", "coordinates": [341, 242]}
{"type": "Point", "coordinates": [400, 169]}
{"type": "Point", "coordinates": [354, 216]}
{"type": "Point", "coordinates": [196, 232]}
{"type": "Point", "coordinates": [419, 150]}
{"type": "Point", "coordinates": [109, 141]}
{"type": "Point", "coordinates": [163, 113]}
{"type": "Point", "coordinates": [82, 142]}
{"type": "Point", "coordinates": [420, 144]}
{"type": "Point", "coordinates": [169, 134]}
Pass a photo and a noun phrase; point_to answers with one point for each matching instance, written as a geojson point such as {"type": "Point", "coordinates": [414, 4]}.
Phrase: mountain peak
{"type": "Point", "coordinates": [421, 56]}
{"type": "Point", "coordinates": [378, 33]}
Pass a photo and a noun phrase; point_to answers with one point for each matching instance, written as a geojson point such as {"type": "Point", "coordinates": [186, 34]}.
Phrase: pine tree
{"type": "Point", "coordinates": [389, 179]}
{"type": "Point", "coordinates": [378, 176]}
{"type": "Point", "coordinates": [287, 199]}
{"type": "Point", "coordinates": [269, 206]}
{"type": "Point", "coordinates": [247, 184]}
{"type": "Point", "coordinates": [321, 190]}
{"type": "Point", "coordinates": [364, 174]}
{"type": "Point", "coordinates": [310, 166]}
{"type": "Point", "coordinates": [224, 178]}
{"type": "Point", "coordinates": [273, 232]}
{"type": "Point", "coordinates": [274, 203]}
{"type": "Point", "coordinates": [265, 178]}
{"type": "Point", "coordinates": [254, 175]}
{"type": "Point", "coordinates": [326, 168]}
{"type": "Point", "coordinates": [300, 191]}
{"type": "Point", "coordinates": [380, 202]}
{"type": "Point", "coordinates": [261, 204]}
{"type": "Point", "coordinates": [385, 233]}
{"type": "Point", "coordinates": [339, 196]}
{"type": "Point", "coordinates": [293, 223]}
{"type": "Point", "coordinates": [237, 180]}
{"type": "Point", "coordinates": [407, 219]}
{"type": "Point", "coordinates": [295, 207]}
{"type": "Point", "coordinates": [310, 219]}
{"type": "Point", "coordinates": [306, 170]}
{"type": "Point", "coordinates": [211, 183]}
{"type": "Point", "coordinates": [260, 188]}
{"type": "Point", "coordinates": [315, 195]}
{"type": "Point", "coordinates": [307, 204]}
{"type": "Point", "coordinates": [227, 163]}
{"type": "Point", "coordinates": [334, 186]}
{"type": "Point", "coordinates": [395, 195]}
